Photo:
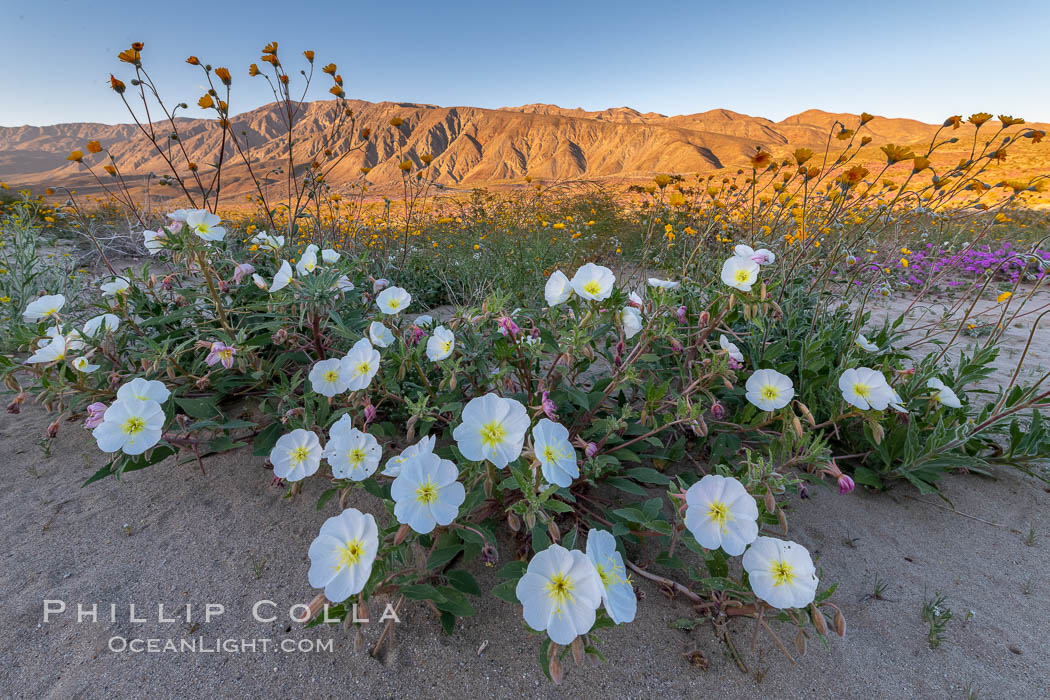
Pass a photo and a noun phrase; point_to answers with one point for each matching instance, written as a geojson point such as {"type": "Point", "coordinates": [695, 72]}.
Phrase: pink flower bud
{"type": "Point", "coordinates": [508, 327]}
{"type": "Point", "coordinates": [94, 415]}
{"type": "Point", "coordinates": [681, 314]}
{"type": "Point", "coordinates": [242, 271]}
{"type": "Point", "coordinates": [676, 346]}
{"type": "Point", "coordinates": [591, 450]}
{"type": "Point", "coordinates": [549, 407]}
{"type": "Point", "coordinates": [718, 411]}
{"type": "Point", "coordinates": [416, 335]}
{"type": "Point", "coordinates": [370, 413]}
{"type": "Point", "coordinates": [379, 285]}
{"type": "Point", "coordinates": [845, 484]}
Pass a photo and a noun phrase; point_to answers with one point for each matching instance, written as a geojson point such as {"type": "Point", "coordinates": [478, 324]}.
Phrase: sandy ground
{"type": "Point", "coordinates": [172, 535]}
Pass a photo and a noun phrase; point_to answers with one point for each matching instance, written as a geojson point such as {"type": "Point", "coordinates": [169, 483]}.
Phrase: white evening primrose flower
{"type": "Point", "coordinates": [205, 225]}
{"type": "Point", "coordinates": [663, 284]}
{"type": "Point", "coordinates": [296, 455]}
{"type": "Point", "coordinates": [558, 289]}
{"type": "Point", "coordinates": [424, 447]}
{"type": "Point", "coordinates": [593, 282]}
{"type": "Point", "coordinates": [82, 364]}
{"type": "Point", "coordinates": [730, 348]}
{"type": "Point", "coordinates": [781, 572]}
{"type": "Point", "coordinates": [131, 426]}
{"type": "Point", "coordinates": [351, 453]}
{"type": "Point", "coordinates": [144, 390]}
{"type": "Point", "coordinates": [329, 256]}
{"type": "Point", "coordinates": [550, 442]}
{"type": "Point", "coordinates": [618, 593]}
{"type": "Point", "coordinates": [897, 404]}
{"type": "Point", "coordinates": [154, 241]}
{"type": "Point", "coordinates": [426, 493]}
{"type": "Point", "coordinates": [179, 215]}
{"type": "Point", "coordinates": [49, 351]}
{"type": "Point", "coordinates": [104, 322]}
{"type": "Point", "coordinates": [308, 261]}
{"type": "Point", "coordinates": [116, 285]}
{"type": "Point", "coordinates": [424, 321]}
{"type": "Point", "coordinates": [943, 394]}
{"type": "Point", "coordinates": [380, 335]}
{"type": "Point", "coordinates": [721, 513]}
{"type": "Point", "coordinates": [393, 300]}
{"type": "Point", "coordinates": [343, 284]}
{"type": "Point", "coordinates": [440, 344]}
{"type": "Point", "coordinates": [865, 388]}
{"type": "Point", "coordinates": [282, 278]}
{"type": "Point", "coordinates": [342, 555]}
{"type": "Point", "coordinates": [260, 282]}
{"type": "Point", "coordinates": [762, 256]}
{"type": "Point", "coordinates": [740, 273]}
{"type": "Point", "coordinates": [865, 344]}
{"type": "Point", "coordinates": [560, 593]}
{"type": "Point", "coordinates": [492, 428]}
{"type": "Point", "coordinates": [769, 389]}
{"type": "Point", "coordinates": [268, 242]}
{"type": "Point", "coordinates": [360, 365]}
{"type": "Point", "coordinates": [329, 377]}
{"type": "Point", "coordinates": [631, 318]}
{"type": "Point", "coordinates": [44, 307]}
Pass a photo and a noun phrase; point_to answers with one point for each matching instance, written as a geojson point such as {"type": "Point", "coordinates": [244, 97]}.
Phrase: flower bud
{"type": "Point", "coordinates": [591, 450]}
{"type": "Point", "coordinates": [513, 522]}
{"type": "Point", "coordinates": [705, 318]}
{"type": "Point", "coordinates": [681, 314]}
{"type": "Point", "coordinates": [819, 623]}
{"type": "Point", "coordinates": [846, 484]}
{"type": "Point", "coordinates": [676, 347]}
{"type": "Point", "coordinates": [370, 413]}
{"type": "Point", "coordinates": [718, 411]}
{"type": "Point", "coordinates": [550, 409]}
{"type": "Point", "coordinates": [379, 285]}
{"type": "Point", "coordinates": [402, 533]}
{"type": "Point", "coordinates": [489, 554]}
{"type": "Point", "coordinates": [15, 407]}
{"type": "Point", "coordinates": [52, 429]}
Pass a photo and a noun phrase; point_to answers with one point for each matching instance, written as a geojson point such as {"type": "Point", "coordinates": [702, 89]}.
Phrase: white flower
{"type": "Point", "coordinates": [341, 556]}
{"type": "Point", "coordinates": [130, 425]}
{"type": "Point", "coordinates": [260, 282]}
{"type": "Point", "coordinates": [351, 453]}
{"type": "Point", "coordinates": [329, 377]}
{"type": "Point", "coordinates": [82, 365]}
{"type": "Point", "coordinates": [740, 273]}
{"type": "Point", "coordinates": [721, 513]}
{"type": "Point", "coordinates": [424, 447]}
{"type": "Point", "coordinates": [330, 256]}
{"type": "Point", "coordinates": [865, 344]}
{"type": "Point", "coordinates": [154, 241]}
{"type": "Point", "coordinates": [558, 289]}
{"type": "Point", "coordinates": [557, 457]}
{"type": "Point", "coordinates": [308, 262]}
{"type": "Point", "coordinates": [49, 351]}
{"type": "Point", "coordinates": [865, 388]}
{"type": "Point", "coordinates": [424, 321]}
{"type": "Point", "coordinates": [769, 389]}
{"type": "Point", "coordinates": [380, 335]}
{"type": "Point", "coordinates": [730, 348]}
{"type": "Point", "coordinates": [360, 365]}
{"type": "Point", "coordinates": [43, 307]}
{"type": "Point", "coordinates": [343, 284]}
{"type": "Point", "coordinates": [296, 455]}
{"type": "Point", "coordinates": [761, 256]}
{"type": "Point", "coordinates": [781, 573]}
{"type": "Point", "coordinates": [117, 285]}
{"type": "Point", "coordinates": [268, 242]}
{"type": "Point", "coordinates": [593, 282]}
{"type": "Point", "coordinates": [560, 593]}
{"type": "Point", "coordinates": [663, 284]}
{"type": "Point", "coordinates": [440, 344]}
{"type": "Point", "coordinates": [426, 492]}
{"type": "Point", "coordinates": [631, 318]}
{"type": "Point", "coordinates": [282, 278]}
{"type": "Point", "coordinates": [618, 594]}
{"type": "Point", "coordinates": [144, 390]}
{"type": "Point", "coordinates": [897, 404]}
{"type": "Point", "coordinates": [106, 322]}
{"type": "Point", "coordinates": [635, 299]}
{"type": "Point", "coordinates": [943, 394]}
{"type": "Point", "coordinates": [393, 300]}
{"type": "Point", "coordinates": [205, 225]}
{"type": "Point", "coordinates": [179, 215]}
{"type": "Point", "coordinates": [492, 428]}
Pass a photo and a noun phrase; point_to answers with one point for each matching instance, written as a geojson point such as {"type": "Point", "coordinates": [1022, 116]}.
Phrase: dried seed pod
{"type": "Point", "coordinates": [552, 530]}
{"type": "Point", "coordinates": [513, 522]}
{"type": "Point", "coordinates": [819, 623]}
{"type": "Point", "coordinates": [530, 520]}
{"type": "Point", "coordinates": [577, 651]}
{"type": "Point", "coordinates": [402, 533]}
{"type": "Point", "coordinates": [770, 501]}
{"type": "Point", "coordinates": [840, 623]}
{"type": "Point", "coordinates": [800, 642]}
{"type": "Point", "coordinates": [783, 521]}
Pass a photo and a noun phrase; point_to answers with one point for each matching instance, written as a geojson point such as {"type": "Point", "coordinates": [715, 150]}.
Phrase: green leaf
{"type": "Point", "coordinates": [266, 439]}
{"type": "Point", "coordinates": [513, 570]}
{"type": "Point", "coordinates": [505, 591]}
{"type": "Point", "coordinates": [421, 591]}
{"type": "Point", "coordinates": [198, 408]}
{"type": "Point", "coordinates": [626, 485]}
{"type": "Point", "coordinates": [455, 602]}
{"type": "Point", "coordinates": [463, 581]}
{"type": "Point", "coordinates": [443, 555]}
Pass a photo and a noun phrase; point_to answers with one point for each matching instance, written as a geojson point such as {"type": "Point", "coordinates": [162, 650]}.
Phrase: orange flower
{"type": "Point", "coordinates": [75, 156]}
{"type": "Point", "coordinates": [137, 45]}
{"type": "Point", "coordinates": [253, 70]}
{"type": "Point", "coordinates": [405, 165]}
{"type": "Point", "coordinates": [979, 118]}
{"type": "Point", "coordinates": [802, 155]}
{"type": "Point", "coordinates": [954, 121]}
{"type": "Point", "coordinates": [206, 102]}
{"type": "Point", "coordinates": [365, 133]}
{"type": "Point", "coordinates": [330, 69]}
{"type": "Point", "coordinates": [224, 75]}
{"type": "Point", "coordinates": [895, 154]}
{"type": "Point", "coordinates": [761, 160]}
{"type": "Point", "coordinates": [852, 176]}
{"type": "Point", "coordinates": [396, 122]}
{"type": "Point", "coordinates": [1010, 121]}
{"type": "Point", "coordinates": [844, 134]}
{"type": "Point", "coordinates": [865, 118]}
{"type": "Point", "coordinates": [365, 169]}
{"type": "Point", "coordinates": [662, 181]}
{"type": "Point", "coordinates": [94, 147]}
{"type": "Point", "coordinates": [193, 61]}
{"type": "Point", "coordinates": [110, 169]}
{"type": "Point", "coordinates": [676, 199]}
{"type": "Point", "coordinates": [336, 90]}
{"type": "Point", "coordinates": [130, 56]}
{"type": "Point", "coordinates": [270, 48]}
{"type": "Point", "coordinates": [309, 56]}
{"type": "Point", "coordinates": [1035, 134]}
{"type": "Point", "coordinates": [920, 163]}
{"type": "Point", "coordinates": [117, 85]}
{"type": "Point", "coordinates": [865, 141]}
{"type": "Point", "coordinates": [426, 158]}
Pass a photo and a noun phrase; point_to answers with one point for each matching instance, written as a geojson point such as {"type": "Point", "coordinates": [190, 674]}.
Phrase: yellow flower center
{"type": "Point", "coordinates": [742, 276]}
{"type": "Point", "coordinates": [559, 589]}
{"type": "Point", "coordinates": [446, 346]}
{"type": "Point", "coordinates": [299, 454]}
{"type": "Point", "coordinates": [203, 228]}
{"type": "Point", "coordinates": [769, 392]}
{"type": "Point", "coordinates": [364, 368]}
{"type": "Point", "coordinates": [350, 554]}
{"type": "Point", "coordinates": [355, 456]}
{"type": "Point", "coordinates": [331, 376]}
{"type": "Point", "coordinates": [718, 512]}
{"type": "Point", "coordinates": [394, 303]}
{"type": "Point", "coordinates": [133, 425]}
{"type": "Point", "coordinates": [782, 572]}
{"type": "Point", "coordinates": [611, 575]}
{"type": "Point", "coordinates": [427, 492]}
{"type": "Point", "coordinates": [552, 454]}
{"type": "Point", "coordinates": [493, 433]}
{"type": "Point", "coordinates": [861, 390]}
{"type": "Point", "coordinates": [592, 287]}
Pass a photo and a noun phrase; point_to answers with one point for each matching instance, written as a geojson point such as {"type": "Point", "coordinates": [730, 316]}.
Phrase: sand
{"type": "Point", "coordinates": [173, 535]}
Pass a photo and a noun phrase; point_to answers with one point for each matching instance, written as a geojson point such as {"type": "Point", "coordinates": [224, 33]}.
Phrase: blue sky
{"type": "Point", "coordinates": [918, 59]}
